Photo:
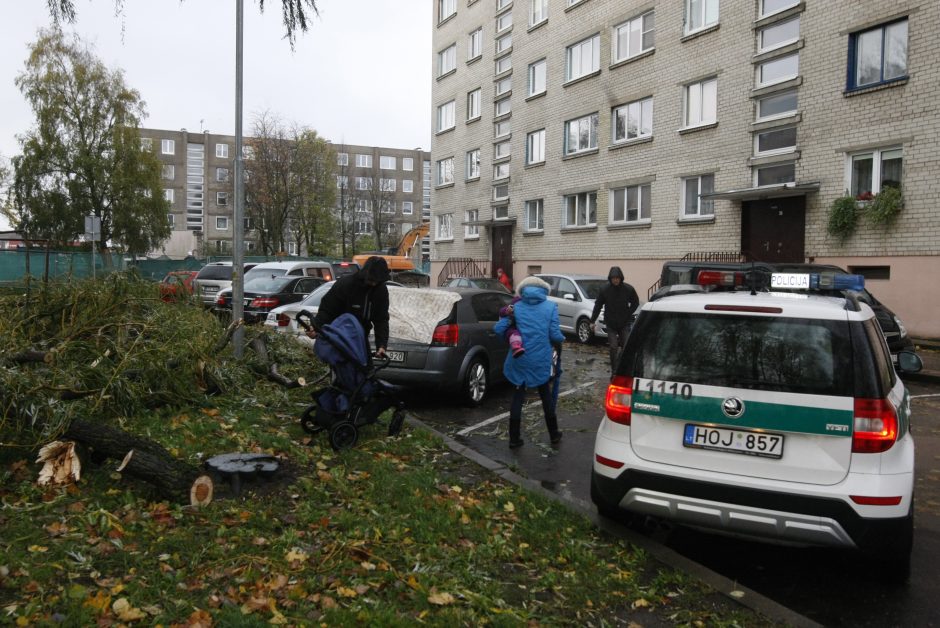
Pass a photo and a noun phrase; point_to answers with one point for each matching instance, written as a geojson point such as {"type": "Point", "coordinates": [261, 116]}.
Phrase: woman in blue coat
{"type": "Point", "coordinates": [536, 318]}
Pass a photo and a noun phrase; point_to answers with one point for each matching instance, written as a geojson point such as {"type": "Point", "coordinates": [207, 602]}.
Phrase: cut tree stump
{"type": "Point", "coordinates": [172, 478]}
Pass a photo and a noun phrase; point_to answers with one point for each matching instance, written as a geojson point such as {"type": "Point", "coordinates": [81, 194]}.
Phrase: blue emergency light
{"type": "Point", "coordinates": [817, 281]}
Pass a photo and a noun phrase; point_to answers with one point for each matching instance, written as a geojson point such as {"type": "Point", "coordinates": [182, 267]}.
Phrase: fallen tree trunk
{"type": "Point", "coordinates": [111, 442]}
{"type": "Point", "coordinates": [31, 355]}
{"type": "Point", "coordinates": [174, 479]}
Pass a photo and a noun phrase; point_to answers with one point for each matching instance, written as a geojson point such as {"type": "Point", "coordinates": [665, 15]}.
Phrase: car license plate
{"type": "Point", "coordinates": [395, 356]}
{"type": "Point", "coordinates": [210, 289]}
{"type": "Point", "coordinates": [762, 444]}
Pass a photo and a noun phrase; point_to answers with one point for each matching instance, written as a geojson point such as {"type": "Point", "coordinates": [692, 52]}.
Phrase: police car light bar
{"type": "Point", "coordinates": [816, 281]}
{"type": "Point", "coordinates": [720, 278]}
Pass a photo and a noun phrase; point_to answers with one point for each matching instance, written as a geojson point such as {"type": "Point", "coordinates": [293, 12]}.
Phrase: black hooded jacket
{"type": "Point", "coordinates": [619, 302]}
{"type": "Point", "coordinates": [369, 304]}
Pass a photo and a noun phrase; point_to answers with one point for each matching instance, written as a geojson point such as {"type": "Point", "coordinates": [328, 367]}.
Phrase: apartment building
{"type": "Point", "coordinates": [577, 134]}
{"type": "Point", "coordinates": [199, 173]}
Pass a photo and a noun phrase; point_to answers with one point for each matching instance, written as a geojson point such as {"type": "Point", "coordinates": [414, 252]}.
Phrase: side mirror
{"type": "Point", "coordinates": [909, 362]}
{"type": "Point", "coordinates": [568, 296]}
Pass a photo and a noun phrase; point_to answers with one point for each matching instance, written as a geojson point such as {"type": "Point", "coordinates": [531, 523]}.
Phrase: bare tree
{"type": "Point", "coordinates": [347, 203]}
{"type": "Point", "coordinates": [381, 194]}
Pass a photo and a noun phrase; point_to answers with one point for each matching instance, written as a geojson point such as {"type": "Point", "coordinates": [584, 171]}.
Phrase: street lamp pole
{"type": "Point", "coordinates": [238, 287]}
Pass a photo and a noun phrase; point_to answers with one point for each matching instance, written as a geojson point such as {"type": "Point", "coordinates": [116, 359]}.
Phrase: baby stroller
{"type": "Point", "coordinates": [355, 396]}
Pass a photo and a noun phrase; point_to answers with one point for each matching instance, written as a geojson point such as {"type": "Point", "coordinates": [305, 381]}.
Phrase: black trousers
{"type": "Point", "coordinates": [515, 411]}
{"type": "Point", "coordinates": [616, 339]}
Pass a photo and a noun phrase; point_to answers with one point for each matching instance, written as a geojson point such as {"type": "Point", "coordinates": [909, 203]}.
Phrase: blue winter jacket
{"type": "Point", "coordinates": [537, 320]}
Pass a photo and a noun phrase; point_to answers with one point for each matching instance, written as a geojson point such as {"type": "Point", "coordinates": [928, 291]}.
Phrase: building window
{"type": "Point", "coordinates": [501, 192]}
{"type": "Point", "coordinates": [538, 77]}
{"type": "Point", "coordinates": [388, 185]}
{"type": "Point", "coordinates": [504, 86]}
{"type": "Point", "coordinates": [342, 159]}
{"type": "Point", "coordinates": [693, 205]}
{"type": "Point", "coordinates": [363, 205]}
{"type": "Point", "coordinates": [538, 12]}
{"type": "Point", "coordinates": [363, 183]}
{"type": "Point", "coordinates": [221, 174]}
{"type": "Point", "coordinates": [446, 116]}
{"type": "Point", "coordinates": [534, 219]}
{"type": "Point", "coordinates": [475, 44]}
{"type": "Point", "coordinates": [474, 100]}
{"type": "Point", "coordinates": [769, 7]}
{"type": "Point", "coordinates": [634, 37]}
{"type": "Point", "coordinates": [778, 70]}
{"type": "Point", "coordinates": [445, 227]}
{"type": "Point", "coordinates": [775, 174]}
{"type": "Point", "coordinates": [502, 107]}
{"type": "Point", "coordinates": [221, 199]}
{"type": "Point", "coordinates": [223, 246]}
{"type": "Point", "coordinates": [342, 181]}
{"type": "Point", "coordinates": [871, 171]}
{"type": "Point", "coordinates": [407, 164]}
{"type": "Point", "coordinates": [503, 64]}
{"type": "Point", "coordinates": [581, 134]}
{"type": "Point", "coordinates": [701, 103]}
{"type": "Point", "coordinates": [633, 120]}
{"type": "Point", "coordinates": [777, 105]}
{"type": "Point", "coordinates": [502, 4]}
{"type": "Point", "coordinates": [445, 8]}
{"type": "Point", "coordinates": [171, 220]}
{"type": "Point", "coordinates": [580, 210]}
{"type": "Point", "coordinates": [503, 22]}
{"type": "Point", "coordinates": [878, 55]}
{"type": "Point", "coordinates": [445, 171]}
{"type": "Point", "coordinates": [388, 163]}
{"type": "Point", "coordinates": [146, 143]}
{"type": "Point", "coordinates": [221, 151]}
{"type": "Point", "coordinates": [535, 147]}
{"type": "Point", "coordinates": [700, 14]}
{"type": "Point", "coordinates": [221, 223]}
{"type": "Point", "coordinates": [775, 141]}
{"type": "Point", "coordinates": [167, 147]}
{"type": "Point", "coordinates": [447, 60]}
{"type": "Point", "coordinates": [501, 212]}
{"type": "Point", "coordinates": [363, 161]}
{"type": "Point", "coordinates": [502, 128]}
{"type": "Point", "coordinates": [630, 205]}
{"type": "Point", "coordinates": [504, 43]}
{"type": "Point", "coordinates": [169, 171]}
{"type": "Point", "coordinates": [502, 149]}
{"type": "Point", "coordinates": [388, 207]}
{"type": "Point", "coordinates": [168, 195]}
{"type": "Point", "coordinates": [363, 226]}
{"type": "Point", "coordinates": [407, 186]}
{"type": "Point", "coordinates": [473, 164]}
{"type": "Point", "coordinates": [407, 207]}
{"type": "Point", "coordinates": [583, 58]}
{"type": "Point", "coordinates": [779, 34]}
{"type": "Point", "coordinates": [501, 171]}
{"type": "Point", "coordinates": [471, 230]}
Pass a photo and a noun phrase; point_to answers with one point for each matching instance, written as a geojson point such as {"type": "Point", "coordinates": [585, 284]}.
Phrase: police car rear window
{"type": "Point", "coordinates": [764, 353]}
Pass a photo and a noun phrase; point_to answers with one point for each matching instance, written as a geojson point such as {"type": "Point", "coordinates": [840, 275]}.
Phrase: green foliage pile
{"type": "Point", "coordinates": [116, 351]}
{"type": "Point", "coordinates": [843, 217]}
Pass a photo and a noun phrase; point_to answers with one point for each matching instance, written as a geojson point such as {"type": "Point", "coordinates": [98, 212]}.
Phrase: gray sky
{"type": "Point", "coordinates": [360, 75]}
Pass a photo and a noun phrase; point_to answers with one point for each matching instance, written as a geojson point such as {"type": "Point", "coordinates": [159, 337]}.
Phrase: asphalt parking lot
{"type": "Point", "coordinates": [831, 587]}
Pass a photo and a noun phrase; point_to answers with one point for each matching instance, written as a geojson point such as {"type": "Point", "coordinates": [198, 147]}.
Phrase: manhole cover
{"type": "Point", "coordinates": [238, 467]}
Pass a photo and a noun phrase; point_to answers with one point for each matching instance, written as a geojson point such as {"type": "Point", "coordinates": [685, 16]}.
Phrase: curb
{"type": "Point", "coordinates": [750, 599]}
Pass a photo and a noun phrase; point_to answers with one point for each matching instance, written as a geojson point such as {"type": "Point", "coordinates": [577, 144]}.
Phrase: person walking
{"type": "Point", "coordinates": [619, 301]}
{"type": "Point", "coordinates": [362, 294]}
{"type": "Point", "coordinates": [504, 278]}
{"type": "Point", "coordinates": [536, 318]}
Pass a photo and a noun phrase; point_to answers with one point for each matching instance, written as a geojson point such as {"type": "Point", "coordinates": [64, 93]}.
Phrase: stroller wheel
{"type": "Point", "coordinates": [308, 421]}
{"type": "Point", "coordinates": [394, 426]}
{"type": "Point", "coordinates": [343, 435]}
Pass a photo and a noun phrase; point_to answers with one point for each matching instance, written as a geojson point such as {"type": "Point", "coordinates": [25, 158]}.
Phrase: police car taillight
{"type": "Point", "coordinates": [720, 278]}
{"type": "Point", "coordinates": [876, 426]}
{"type": "Point", "coordinates": [619, 399]}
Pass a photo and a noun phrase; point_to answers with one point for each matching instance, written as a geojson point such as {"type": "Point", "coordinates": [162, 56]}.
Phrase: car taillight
{"type": "Point", "coordinates": [619, 399]}
{"type": "Point", "coordinates": [220, 301]}
{"type": "Point", "coordinates": [876, 426]}
{"type": "Point", "coordinates": [445, 336]}
{"type": "Point", "coordinates": [283, 320]}
{"type": "Point", "coordinates": [260, 302]}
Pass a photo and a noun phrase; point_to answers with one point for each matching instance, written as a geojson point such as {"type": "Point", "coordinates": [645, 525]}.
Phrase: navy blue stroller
{"type": "Point", "coordinates": [355, 396]}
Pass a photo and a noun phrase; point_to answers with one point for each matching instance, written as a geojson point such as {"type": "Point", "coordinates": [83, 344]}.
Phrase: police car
{"type": "Point", "coordinates": [763, 409]}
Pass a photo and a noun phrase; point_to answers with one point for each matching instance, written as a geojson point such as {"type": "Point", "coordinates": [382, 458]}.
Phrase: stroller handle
{"type": "Point", "coordinates": [305, 320]}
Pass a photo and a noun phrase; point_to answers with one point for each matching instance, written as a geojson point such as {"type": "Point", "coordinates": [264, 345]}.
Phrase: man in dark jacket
{"type": "Point", "coordinates": [619, 301]}
{"type": "Point", "coordinates": [365, 296]}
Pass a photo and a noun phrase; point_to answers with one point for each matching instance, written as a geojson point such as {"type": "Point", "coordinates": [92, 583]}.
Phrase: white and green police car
{"type": "Point", "coordinates": [762, 413]}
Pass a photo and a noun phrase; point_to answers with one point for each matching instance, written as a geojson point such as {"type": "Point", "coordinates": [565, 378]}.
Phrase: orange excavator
{"type": "Point", "coordinates": [399, 257]}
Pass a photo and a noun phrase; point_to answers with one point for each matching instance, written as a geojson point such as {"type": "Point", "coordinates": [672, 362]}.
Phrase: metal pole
{"type": "Point", "coordinates": [238, 288]}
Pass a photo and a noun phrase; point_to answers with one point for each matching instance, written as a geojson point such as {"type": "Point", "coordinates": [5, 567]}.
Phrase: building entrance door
{"type": "Point", "coordinates": [502, 250]}
{"type": "Point", "coordinates": [774, 230]}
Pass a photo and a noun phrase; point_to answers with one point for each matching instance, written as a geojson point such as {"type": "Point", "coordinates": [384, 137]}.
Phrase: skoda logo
{"type": "Point", "coordinates": [732, 407]}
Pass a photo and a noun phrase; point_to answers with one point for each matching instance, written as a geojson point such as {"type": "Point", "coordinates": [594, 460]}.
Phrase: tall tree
{"type": "Point", "coordinates": [315, 226]}
{"type": "Point", "coordinates": [83, 156]}
{"type": "Point", "coordinates": [381, 195]}
{"type": "Point", "coordinates": [347, 203]}
{"type": "Point", "coordinates": [295, 12]}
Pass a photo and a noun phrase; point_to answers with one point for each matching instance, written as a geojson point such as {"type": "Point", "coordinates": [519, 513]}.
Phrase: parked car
{"type": "Point", "coordinates": [343, 268]}
{"type": "Point", "coordinates": [759, 413]}
{"type": "Point", "coordinates": [574, 295]}
{"type": "Point", "coordinates": [293, 269]}
{"type": "Point", "coordinates": [264, 293]}
{"type": "Point", "coordinates": [486, 283]}
{"type": "Point", "coordinates": [284, 317]}
{"type": "Point", "coordinates": [177, 284]}
{"type": "Point", "coordinates": [451, 343]}
{"type": "Point", "coordinates": [214, 277]}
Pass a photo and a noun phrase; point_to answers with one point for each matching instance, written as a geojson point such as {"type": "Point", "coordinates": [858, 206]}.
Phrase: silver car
{"type": "Point", "coordinates": [213, 278]}
{"type": "Point", "coordinates": [574, 295]}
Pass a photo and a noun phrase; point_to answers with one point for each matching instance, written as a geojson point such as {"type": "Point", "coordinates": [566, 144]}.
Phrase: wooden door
{"type": "Point", "coordinates": [774, 230]}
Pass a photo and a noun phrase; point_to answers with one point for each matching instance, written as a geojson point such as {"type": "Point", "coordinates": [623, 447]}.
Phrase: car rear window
{"type": "Point", "coordinates": [221, 271]}
{"type": "Point", "coordinates": [344, 269]}
{"type": "Point", "coordinates": [266, 284]}
{"type": "Point", "coordinates": [486, 306]}
{"type": "Point", "coordinates": [263, 272]}
{"type": "Point", "coordinates": [779, 354]}
{"type": "Point", "coordinates": [592, 287]}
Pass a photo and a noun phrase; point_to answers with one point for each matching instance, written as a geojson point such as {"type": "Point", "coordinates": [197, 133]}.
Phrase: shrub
{"type": "Point", "coordinates": [884, 207]}
{"type": "Point", "coordinates": [843, 217]}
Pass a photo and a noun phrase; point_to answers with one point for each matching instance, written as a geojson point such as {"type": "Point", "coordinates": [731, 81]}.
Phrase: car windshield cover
{"type": "Point", "coordinates": [591, 287]}
{"type": "Point", "coordinates": [216, 272]}
{"type": "Point", "coordinates": [765, 353]}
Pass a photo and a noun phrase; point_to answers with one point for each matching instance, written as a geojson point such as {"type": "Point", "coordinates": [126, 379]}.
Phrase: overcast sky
{"type": "Point", "coordinates": [360, 75]}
